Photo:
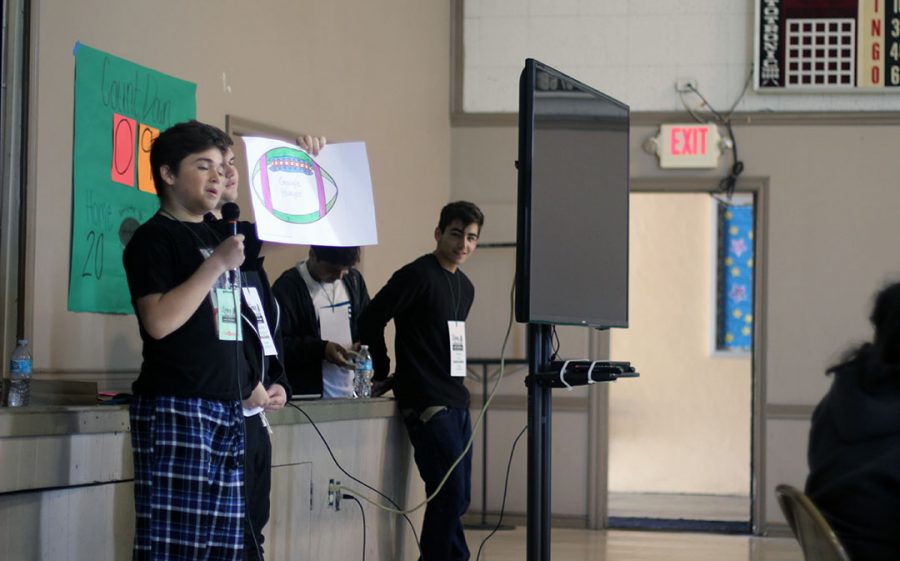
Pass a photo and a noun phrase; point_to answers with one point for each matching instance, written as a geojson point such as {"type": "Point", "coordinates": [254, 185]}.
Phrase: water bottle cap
{"type": "Point", "coordinates": [22, 341]}
{"type": "Point", "coordinates": [364, 347]}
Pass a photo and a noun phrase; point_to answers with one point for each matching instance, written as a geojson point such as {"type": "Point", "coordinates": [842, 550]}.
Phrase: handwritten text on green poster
{"type": "Point", "coordinates": [120, 107]}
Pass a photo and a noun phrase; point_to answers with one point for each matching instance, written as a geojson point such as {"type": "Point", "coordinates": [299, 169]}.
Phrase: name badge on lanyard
{"type": "Point", "coordinates": [457, 330]}
{"type": "Point", "coordinates": [262, 325]}
{"type": "Point", "coordinates": [228, 314]}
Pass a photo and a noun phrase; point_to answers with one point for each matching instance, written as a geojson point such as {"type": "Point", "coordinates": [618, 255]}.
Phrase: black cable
{"type": "Point", "coordinates": [363, 513]}
{"type": "Point", "coordinates": [712, 110]}
{"type": "Point", "coordinates": [505, 488]}
{"type": "Point", "coordinates": [363, 483]}
{"type": "Point", "coordinates": [556, 344]}
{"type": "Point", "coordinates": [728, 183]}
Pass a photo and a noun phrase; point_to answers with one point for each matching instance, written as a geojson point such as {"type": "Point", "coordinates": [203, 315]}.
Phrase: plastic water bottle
{"type": "Point", "coordinates": [20, 375]}
{"type": "Point", "coordinates": [362, 379]}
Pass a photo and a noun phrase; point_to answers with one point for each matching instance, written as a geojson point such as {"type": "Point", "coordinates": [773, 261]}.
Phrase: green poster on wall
{"type": "Point", "coordinates": [120, 107]}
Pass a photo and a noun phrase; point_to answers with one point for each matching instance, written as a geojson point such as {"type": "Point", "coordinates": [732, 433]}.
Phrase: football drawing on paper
{"type": "Point", "coordinates": [298, 199]}
{"type": "Point", "coordinates": [292, 186]}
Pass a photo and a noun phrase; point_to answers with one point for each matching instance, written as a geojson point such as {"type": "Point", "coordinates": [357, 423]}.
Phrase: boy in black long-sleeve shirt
{"type": "Point", "coordinates": [429, 300]}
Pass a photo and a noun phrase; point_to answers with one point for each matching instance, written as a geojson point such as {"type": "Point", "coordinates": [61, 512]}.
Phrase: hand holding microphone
{"type": "Point", "coordinates": [231, 250]}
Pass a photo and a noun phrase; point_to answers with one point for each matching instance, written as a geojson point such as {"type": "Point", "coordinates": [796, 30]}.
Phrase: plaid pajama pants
{"type": "Point", "coordinates": [188, 479]}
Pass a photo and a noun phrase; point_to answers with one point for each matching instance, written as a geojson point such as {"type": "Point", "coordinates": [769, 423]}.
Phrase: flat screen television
{"type": "Point", "coordinates": [572, 224]}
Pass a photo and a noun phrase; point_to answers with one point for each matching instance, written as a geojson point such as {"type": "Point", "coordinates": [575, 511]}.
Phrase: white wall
{"type": "Point", "coordinates": [633, 50]}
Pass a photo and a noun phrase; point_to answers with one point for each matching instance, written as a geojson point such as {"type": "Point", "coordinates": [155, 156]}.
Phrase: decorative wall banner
{"type": "Point", "coordinates": [734, 277]}
{"type": "Point", "coordinates": [120, 107]}
{"type": "Point", "coordinates": [301, 200]}
{"type": "Point", "coordinates": [827, 45]}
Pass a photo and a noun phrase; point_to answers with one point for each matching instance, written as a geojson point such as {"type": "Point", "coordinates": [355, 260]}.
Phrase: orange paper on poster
{"type": "Point", "coordinates": [122, 166]}
{"type": "Point", "coordinates": [145, 172]}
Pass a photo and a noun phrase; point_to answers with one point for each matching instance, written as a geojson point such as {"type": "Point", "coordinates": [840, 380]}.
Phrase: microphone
{"type": "Point", "coordinates": [230, 213]}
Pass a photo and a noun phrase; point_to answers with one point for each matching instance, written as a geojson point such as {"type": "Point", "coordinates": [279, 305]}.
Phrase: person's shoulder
{"type": "Point", "coordinates": [288, 274]}
{"type": "Point", "coordinates": [421, 267]}
{"type": "Point", "coordinates": [151, 241]}
{"type": "Point", "coordinates": [413, 274]}
{"type": "Point", "coordinates": [288, 277]}
{"type": "Point", "coordinates": [427, 262]}
{"type": "Point", "coordinates": [355, 275]}
{"type": "Point", "coordinates": [149, 230]}
{"type": "Point", "coordinates": [156, 222]}
{"type": "Point", "coordinates": [465, 279]}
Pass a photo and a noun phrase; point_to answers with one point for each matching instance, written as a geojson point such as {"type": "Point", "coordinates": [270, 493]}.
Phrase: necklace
{"type": "Point", "coordinates": [203, 243]}
{"type": "Point", "coordinates": [309, 278]}
{"type": "Point", "coordinates": [454, 299]}
{"type": "Point", "coordinates": [330, 297]}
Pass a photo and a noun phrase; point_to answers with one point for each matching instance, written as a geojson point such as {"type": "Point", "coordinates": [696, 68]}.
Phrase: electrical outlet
{"type": "Point", "coordinates": [334, 494]}
{"type": "Point", "coordinates": [684, 85]}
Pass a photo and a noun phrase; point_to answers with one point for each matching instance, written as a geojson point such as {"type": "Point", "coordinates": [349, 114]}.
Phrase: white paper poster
{"type": "Point", "coordinates": [298, 199]}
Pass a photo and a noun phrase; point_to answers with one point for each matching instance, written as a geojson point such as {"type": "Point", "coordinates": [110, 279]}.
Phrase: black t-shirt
{"type": "Point", "coordinates": [191, 361]}
{"type": "Point", "coordinates": [264, 368]}
{"type": "Point", "coordinates": [421, 298]}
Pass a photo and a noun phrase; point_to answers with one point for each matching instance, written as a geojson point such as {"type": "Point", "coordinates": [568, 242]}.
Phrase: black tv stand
{"type": "Point", "coordinates": [544, 375]}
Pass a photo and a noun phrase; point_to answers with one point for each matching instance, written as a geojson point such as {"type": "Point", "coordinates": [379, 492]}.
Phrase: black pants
{"type": "Point", "coordinates": [437, 444]}
{"type": "Point", "coordinates": [257, 484]}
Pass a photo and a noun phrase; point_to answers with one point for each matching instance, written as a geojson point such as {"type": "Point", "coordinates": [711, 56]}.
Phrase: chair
{"type": "Point", "coordinates": [817, 540]}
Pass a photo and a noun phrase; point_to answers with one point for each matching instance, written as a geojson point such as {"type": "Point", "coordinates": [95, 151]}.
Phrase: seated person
{"type": "Point", "coordinates": [321, 299]}
{"type": "Point", "coordinates": [854, 444]}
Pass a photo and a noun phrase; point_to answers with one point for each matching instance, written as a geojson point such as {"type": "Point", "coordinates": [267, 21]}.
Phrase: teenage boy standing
{"type": "Point", "coordinates": [429, 300]}
{"type": "Point", "coordinates": [186, 419]}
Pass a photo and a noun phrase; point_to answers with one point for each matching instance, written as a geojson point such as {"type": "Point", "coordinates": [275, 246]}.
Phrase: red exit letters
{"type": "Point", "coordinates": [688, 141]}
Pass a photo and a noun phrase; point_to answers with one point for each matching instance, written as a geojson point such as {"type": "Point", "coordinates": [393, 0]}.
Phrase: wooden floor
{"type": "Point", "coordinates": [622, 545]}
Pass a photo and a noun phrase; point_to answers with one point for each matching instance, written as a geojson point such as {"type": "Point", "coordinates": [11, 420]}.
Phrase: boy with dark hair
{"type": "Point", "coordinates": [186, 420]}
{"type": "Point", "coordinates": [322, 299]}
{"type": "Point", "coordinates": [429, 300]}
{"type": "Point", "coordinates": [467, 213]}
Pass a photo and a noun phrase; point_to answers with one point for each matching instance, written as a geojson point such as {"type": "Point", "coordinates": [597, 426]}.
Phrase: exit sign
{"type": "Point", "coordinates": [688, 145]}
